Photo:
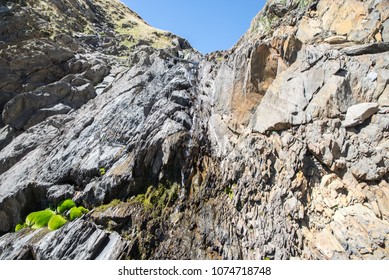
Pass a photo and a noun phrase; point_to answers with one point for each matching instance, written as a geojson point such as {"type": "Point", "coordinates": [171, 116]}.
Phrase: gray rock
{"type": "Point", "coordinates": [278, 9]}
{"type": "Point", "coordinates": [385, 31]}
{"type": "Point", "coordinates": [369, 169]}
{"type": "Point", "coordinates": [78, 240]}
{"type": "Point", "coordinates": [97, 73]}
{"type": "Point", "coordinates": [6, 135]}
{"type": "Point", "coordinates": [44, 113]}
{"type": "Point", "coordinates": [181, 97]}
{"type": "Point", "coordinates": [358, 113]}
{"type": "Point", "coordinates": [177, 130]}
{"type": "Point", "coordinates": [58, 193]}
{"type": "Point", "coordinates": [30, 108]}
{"type": "Point", "coordinates": [371, 48]}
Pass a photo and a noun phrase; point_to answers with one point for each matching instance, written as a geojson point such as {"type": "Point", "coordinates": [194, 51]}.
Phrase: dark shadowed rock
{"type": "Point", "coordinates": [367, 49]}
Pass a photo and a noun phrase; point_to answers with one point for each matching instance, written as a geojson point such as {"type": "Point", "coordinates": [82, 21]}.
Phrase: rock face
{"type": "Point", "coordinates": [277, 148]}
{"type": "Point", "coordinates": [77, 241]}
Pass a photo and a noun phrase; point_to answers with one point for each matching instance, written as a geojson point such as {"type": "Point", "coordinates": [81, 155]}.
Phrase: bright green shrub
{"type": "Point", "coordinates": [39, 219]}
{"type": "Point", "coordinates": [56, 222]}
{"type": "Point", "coordinates": [65, 205]}
{"type": "Point", "coordinates": [20, 226]}
{"type": "Point", "coordinates": [77, 212]}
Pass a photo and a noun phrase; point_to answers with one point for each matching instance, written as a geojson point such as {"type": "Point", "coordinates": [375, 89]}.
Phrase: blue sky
{"type": "Point", "coordinates": [209, 25]}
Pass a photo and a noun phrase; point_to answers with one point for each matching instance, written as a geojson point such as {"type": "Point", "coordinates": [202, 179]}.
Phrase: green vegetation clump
{"type": "Point", "coordinates": [56, 222]}
{"type": "Point", "coordinates": [267, 22]}
{"type": "Point", "coordinates": [77, 212]}
{"type": "Point", "coordinates": [65, 205]}
{"type": "Point", "coordinates": [229, 192]}
{"type": "Point", "coordinates": [39, 219]}
{"type": "Point", "coordinates": [157, 198]}
{"type": "Point", "coordinates": [304, 3]}
{"type": "Point", "coordinates": [104, 207]}
{"type": "Point", "coordinates": [53, 219]}
{"type": "Point", "coordinates": [20, 226]}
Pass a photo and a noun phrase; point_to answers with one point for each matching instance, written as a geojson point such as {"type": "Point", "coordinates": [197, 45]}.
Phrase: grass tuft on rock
{"type": "Point", "coordinates": [77, 212]}
{"type": "Point", "coordinates": [20, 227]}
{"type": "Point", "coordinates": [56, 222]}
{"type": "Point", "coordinates": [158, 198]}
{"type": "Point", "coordinates": [65, 205]}
{"type": "Point", "coordinates": [39, 219]}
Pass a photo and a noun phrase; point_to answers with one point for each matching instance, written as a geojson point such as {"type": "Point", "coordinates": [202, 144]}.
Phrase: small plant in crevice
{"type": "Point", "coordinates": [157, 198]}
{"type": "Point", "coordinates": [154, 205]}
{"type": "Point", "coordinates": [229, 191]}
{"type": "Point", "coordinates": [53, 219]}
{"type": "Point", "coordinates": [104, 207]}
{"type": "Point", "coordinates": [265, 23]}
{"type": "Point", "coordinates": [102, 171]}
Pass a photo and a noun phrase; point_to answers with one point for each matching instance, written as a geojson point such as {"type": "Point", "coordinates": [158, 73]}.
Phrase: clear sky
{"type": "Point", "coordinates": [208, 25]}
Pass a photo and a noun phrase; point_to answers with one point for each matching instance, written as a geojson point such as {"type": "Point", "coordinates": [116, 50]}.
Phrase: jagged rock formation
{"type": "Point", "coordinates": [277, 148]}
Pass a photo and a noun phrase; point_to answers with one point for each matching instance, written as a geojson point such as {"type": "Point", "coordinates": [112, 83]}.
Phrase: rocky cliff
{"type": "Point", "coordinates": [277, 148]}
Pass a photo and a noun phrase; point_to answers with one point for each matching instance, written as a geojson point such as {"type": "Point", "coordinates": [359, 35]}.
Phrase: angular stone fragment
{"type": "Point", "coordinates": [327, 244]}
{"type": "Point", "coordinates": [339, 39]}
{"type": "Point", "coordinates": [367, 49]}
{"type": "Point", "coordinates": [358, 113]}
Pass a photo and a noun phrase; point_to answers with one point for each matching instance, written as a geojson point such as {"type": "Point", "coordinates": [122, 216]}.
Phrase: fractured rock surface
{"type": "Point", "coordinates": [277, 148]}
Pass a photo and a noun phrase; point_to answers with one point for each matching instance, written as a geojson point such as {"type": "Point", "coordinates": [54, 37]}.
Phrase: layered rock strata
{"type": "Point", "coordinates": [277, 148]}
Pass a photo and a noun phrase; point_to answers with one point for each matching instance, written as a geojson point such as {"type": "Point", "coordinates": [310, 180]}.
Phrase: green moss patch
{"type": "Point", "coordinates": [53, 220]}
{"type": "Point", "coordinates": [56, 222]}
{"type": "Point", "coordinates": [39, 219]}
{"type": "Point", "coordinates": [20, 226]}
{"type": "Point", "coordinates": [77, 212]}
{"type": "Point", "coordinates": [104, 207]}
{"type": "Point", "coordinates": [157, 198]}
{"type": "Point", "coordinates": [65, 205]}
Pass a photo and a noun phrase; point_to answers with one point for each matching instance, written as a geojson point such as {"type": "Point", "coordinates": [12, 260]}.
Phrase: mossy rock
{"type": "Point", "coordinates": [159, 197]}
{"type": "Point", "coordinates": [65, 205]}
{"type": "Point", "coordinates": [105, 207]}
{"type": "Point", "coordinates": [77, 212]}
{"type": "Point", "coordinates": [20, 227]}
{"type": "Point", "coordinates": [39, 219]}
{"type": "Point", "coordinates": [56, 222]}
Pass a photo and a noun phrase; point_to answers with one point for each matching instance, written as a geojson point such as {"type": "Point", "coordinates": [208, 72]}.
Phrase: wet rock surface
{"type": "Point", "coordinates": [277, 148]}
